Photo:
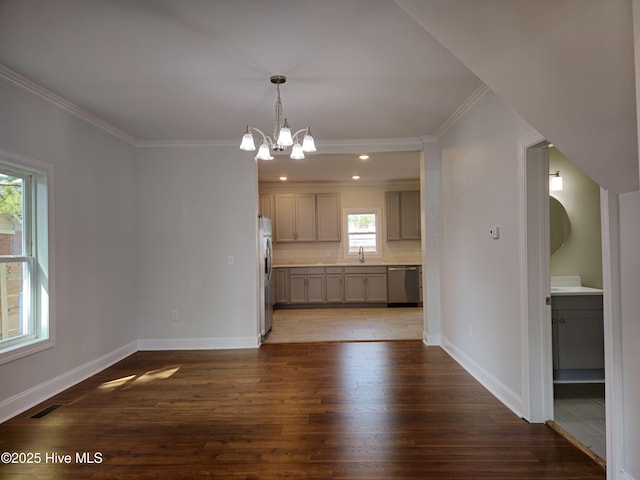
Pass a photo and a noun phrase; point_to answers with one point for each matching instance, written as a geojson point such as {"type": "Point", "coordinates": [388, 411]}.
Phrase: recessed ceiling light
{"type": "Point", "coordinates": [364, 157]}
{"type": "Point", "coordinates": [284, 179]}
{"type": "Point", "coordinates": [356, 177]}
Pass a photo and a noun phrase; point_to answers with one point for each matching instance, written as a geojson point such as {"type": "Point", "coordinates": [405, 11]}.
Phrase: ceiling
{"type": "Point", "coordinates": [566, 66]}
{"type": "Point", "coordinates": [195, 70]}
{"type": "Point", "coordinates": [366, 75]}
{"type": "Point", "coordinates": [380, 167]}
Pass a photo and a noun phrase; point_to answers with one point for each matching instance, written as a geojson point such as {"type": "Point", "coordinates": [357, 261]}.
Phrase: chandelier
{"type": "Point", "coordinates": [281, 134]}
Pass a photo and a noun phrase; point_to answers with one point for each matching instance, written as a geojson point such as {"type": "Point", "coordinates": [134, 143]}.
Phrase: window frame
{"type": "Point", "coordinates": [361, 211]}
{"type": "Point", "coordinates": [37, 228]}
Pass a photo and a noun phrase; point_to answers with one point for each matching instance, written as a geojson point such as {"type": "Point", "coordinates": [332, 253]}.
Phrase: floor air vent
{"type": "Point", "coordinates": [46, 411]}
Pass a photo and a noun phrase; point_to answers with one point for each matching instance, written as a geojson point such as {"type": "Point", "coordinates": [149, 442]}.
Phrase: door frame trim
{"type": "Point", "coordinates": [537, 368]}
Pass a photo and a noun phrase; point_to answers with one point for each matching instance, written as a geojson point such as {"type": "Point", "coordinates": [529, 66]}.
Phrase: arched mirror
{"type": "Point", "coordinates": [559, 225]}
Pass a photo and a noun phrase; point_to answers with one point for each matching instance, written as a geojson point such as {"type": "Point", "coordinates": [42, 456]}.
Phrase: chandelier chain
{"type": "Point", "coordinates": [278, 124]}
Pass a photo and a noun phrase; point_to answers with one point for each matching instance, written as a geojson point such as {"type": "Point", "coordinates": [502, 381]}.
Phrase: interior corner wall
{"type": "Point", "coordinates": [629, 217]}
{"type": "Point", "coordinates": [94, 241]}
{"type": "Point", "coordinates": [197, 254]}
{"type": "Point", "coordinates": [481, 276]}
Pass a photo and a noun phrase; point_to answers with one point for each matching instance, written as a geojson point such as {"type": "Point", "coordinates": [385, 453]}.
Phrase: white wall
{"type": "Point", "coordinates": [481, 277]}
{"type": "Point", "coordinates": [94, 240]}
{"type": "Point", "coordinates": [197, 206]}
{"type": "Point", "coordinates": [629, 280]}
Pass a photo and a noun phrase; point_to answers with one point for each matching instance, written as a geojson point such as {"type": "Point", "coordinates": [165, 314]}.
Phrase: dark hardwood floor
{"type": "Point", "coordinates": [368, 411]}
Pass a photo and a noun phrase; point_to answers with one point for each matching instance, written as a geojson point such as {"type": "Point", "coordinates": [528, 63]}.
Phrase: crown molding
{"type": "Point", "coordinates": [371, 145]}
{"type": "Point", "coordinates": [33, 88]}
{"type": "Point", "coordinates": [462, 110]}
{"type": "Point", "coordinates": [326, 146]}
{"type": "Point", "coordinates": [186, 143]}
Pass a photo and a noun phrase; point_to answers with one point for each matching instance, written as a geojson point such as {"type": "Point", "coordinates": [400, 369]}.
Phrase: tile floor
{"type": "Point", "coordinates": [580, 410]}
{"type": "Point", "coordinates": [346, 324]}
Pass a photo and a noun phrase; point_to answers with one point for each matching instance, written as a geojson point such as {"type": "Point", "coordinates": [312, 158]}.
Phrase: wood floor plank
{"type": "Point", "coordinates": [343, 411]}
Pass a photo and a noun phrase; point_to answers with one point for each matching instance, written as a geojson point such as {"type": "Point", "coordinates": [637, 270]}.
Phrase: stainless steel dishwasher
{"type": "Point", "coordinates": [403, 285]}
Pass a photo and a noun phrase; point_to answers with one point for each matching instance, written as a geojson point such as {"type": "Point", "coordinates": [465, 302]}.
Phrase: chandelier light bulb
{"type": "Point", "coordinates": [284, 137]}
{"type": "Point", "coordinates": [264, 153]}
{"type": "Point", "coordinates": [247, 141]}
{"type": "Point", "coordinates": [296, 152]}
{"type": "Point", "coordinates": [308, 144]}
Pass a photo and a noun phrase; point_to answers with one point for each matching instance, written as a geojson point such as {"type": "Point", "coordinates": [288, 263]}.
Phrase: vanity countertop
{"type": "Point", "coordinates": [571, 285]}
{"type": "Point", "coordinates": [575, 290]}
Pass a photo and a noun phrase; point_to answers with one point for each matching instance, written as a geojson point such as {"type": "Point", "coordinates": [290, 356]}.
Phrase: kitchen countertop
{"type": "Point", "coordinates": [345, 264]}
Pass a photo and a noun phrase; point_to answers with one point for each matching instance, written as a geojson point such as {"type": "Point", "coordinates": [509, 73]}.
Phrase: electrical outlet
{"type": "Point", "coordinates": [494, 232]}
{"type": "Point", "coordinates": [175, 315]}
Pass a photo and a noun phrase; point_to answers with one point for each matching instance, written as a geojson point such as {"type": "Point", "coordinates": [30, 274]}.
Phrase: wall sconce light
{"type": "Point", "coordinates": [555, 182]}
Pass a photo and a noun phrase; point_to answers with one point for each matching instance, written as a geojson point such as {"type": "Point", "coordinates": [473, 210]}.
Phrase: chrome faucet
{"type": "Point", "coordinates": [361, 254]}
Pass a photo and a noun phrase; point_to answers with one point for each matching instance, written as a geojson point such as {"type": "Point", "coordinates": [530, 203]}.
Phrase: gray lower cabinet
{"type": "Point", "coordinates": [306, 285]}
{"type": "Point", "coordinates": [365, 285]}
{"type": "Point", "coordinates": [330, 285]}
{"type": "Point", "coordinates": [335, 285]}
{"type": "Point", "coordinates": [281, 278]}
{"type": "Point", "coordinates": [577, 337]}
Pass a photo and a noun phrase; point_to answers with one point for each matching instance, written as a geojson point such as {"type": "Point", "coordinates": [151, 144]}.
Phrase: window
{"type": "Point", "coordinates": [24, 286]}
{"type": "Point", "coordinates": [363, 230]}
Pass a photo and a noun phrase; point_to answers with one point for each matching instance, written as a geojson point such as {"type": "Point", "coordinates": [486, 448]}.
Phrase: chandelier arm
{"type": "Point", "coordinates": [302, 130]}
{"type": "Point", "coordinates": [265, 138]}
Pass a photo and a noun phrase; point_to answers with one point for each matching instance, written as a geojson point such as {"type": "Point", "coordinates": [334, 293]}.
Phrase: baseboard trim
{"type": "Point", "coordinates": [498, 389]}
{"type": "Point", "coordinates": [23, 401]}
{"type": "Point", "coordinates": [432, 340]}
{"type": "Point", "coordinates": [212, 343]}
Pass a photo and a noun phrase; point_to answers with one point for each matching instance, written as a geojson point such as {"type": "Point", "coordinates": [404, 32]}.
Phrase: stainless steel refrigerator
{"type": "Point", "coordinates": [267, 294]}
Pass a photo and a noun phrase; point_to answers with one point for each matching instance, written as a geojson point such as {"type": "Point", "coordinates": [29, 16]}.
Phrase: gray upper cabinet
{"type": "Point", "coordinates": [307, 217]}
{"type": "Point", "coordinates": [328, 215]}
{"type": "Point", "coordinates": [266, 206]}
{"type": "Point", "coordinates": [295, 217]}
{"type": "Point", "coordinates": [393, 215]}
{"type": "Point", "coordinates": [403, 215]}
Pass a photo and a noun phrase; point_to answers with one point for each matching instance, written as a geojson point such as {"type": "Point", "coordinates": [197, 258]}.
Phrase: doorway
{"type": "Point", "coordinates": [577, 310]}
{"type": "Point", "coordinates": [577, 405]}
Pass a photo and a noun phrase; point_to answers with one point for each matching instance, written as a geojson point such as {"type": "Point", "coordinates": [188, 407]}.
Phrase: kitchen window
{"type": "Point", "coordinates": [363, 231]}
{"type": "Point", "coordinates": [24, 279]}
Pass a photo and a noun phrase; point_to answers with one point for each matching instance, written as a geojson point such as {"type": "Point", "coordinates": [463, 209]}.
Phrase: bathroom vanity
{"type": "Point", "coordinates": [578, 331]}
